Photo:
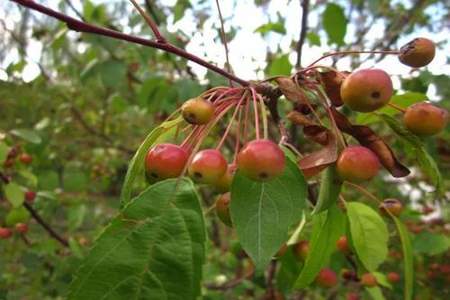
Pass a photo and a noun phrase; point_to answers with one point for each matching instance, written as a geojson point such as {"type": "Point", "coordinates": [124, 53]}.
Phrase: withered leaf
{"type": "Point", "coordinates": [368, 138]}
{"type": "Point", "coordinates": [332, 82]}
{"type": "Point", "coordinates": [315, 162]}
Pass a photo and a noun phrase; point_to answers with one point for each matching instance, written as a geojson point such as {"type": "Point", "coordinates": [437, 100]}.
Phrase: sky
{"type": "Point", "coordinates": [248, 49]}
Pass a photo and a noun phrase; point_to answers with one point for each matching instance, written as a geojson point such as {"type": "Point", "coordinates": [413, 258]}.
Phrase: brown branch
{"type": "Point", "coordinates": [304, 30]}
{"type": "Point", "coordinates": [150, 22]}
{"type": "Point", "coordinates": [81, 26]}
{"type": "Point", "coordinates": [79, 117]}
{"type": "Point", "coordinates": [224, 39]}
{"type": "Point", "coordinates": [46, 226]}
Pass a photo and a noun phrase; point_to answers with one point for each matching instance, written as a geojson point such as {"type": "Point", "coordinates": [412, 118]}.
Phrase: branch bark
{"type": "Point", "coordinates": [81, 26]}
{"type": "Point", "coordinates": [46, 226]}
{"type": "Point", "coordinates": [303, 32]}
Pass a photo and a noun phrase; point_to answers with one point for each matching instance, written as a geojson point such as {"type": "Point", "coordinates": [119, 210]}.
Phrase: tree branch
{"type": "Point", "coordinates": [224, 38]}
{"type": "Point", "coordinates": [81, 26]}
{"type": "Point", "coordinates": [46, 226]}
{"type": "Point", "coordinates": [304, 30]}
{"type": "Point", "coordinates": [150, 22]}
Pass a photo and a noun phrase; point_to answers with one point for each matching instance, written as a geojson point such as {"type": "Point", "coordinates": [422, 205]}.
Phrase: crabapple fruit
{"type": "Point", "coordinates": [208, 166]}
{"type": "Point", "coordinates": [425, 119]}
{"type": "Point", "coordinates": [327, 278]}
{"type": "Point", "coordinates": [165, 161]}
{"type": "Point", "coordinates": [369, 280]}
{"type": "Point", "coordinates": [417, 53]}
{"type": "Point", "coordinates": [197, 111]}
{"type": "Point", "coordinates": [5, 233]}
{"type": "Point", "coordinates": [261, 160]}
{"type": "Point", "coordinates": [21, 227]}
{"type": "Point", "coordinates": [367, 90]}
{"type": "Point", "coordinates": [223, 208]}
{"type": "Point", "coordinates": [357, 164]}
{"type": "Point", "coordinates": [391, 205]}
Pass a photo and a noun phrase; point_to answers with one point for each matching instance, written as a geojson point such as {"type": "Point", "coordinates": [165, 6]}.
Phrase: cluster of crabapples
{"type": "Point", "coordinates": [14, 156]}
{"type": "Point", "coordinates": [260, 159]}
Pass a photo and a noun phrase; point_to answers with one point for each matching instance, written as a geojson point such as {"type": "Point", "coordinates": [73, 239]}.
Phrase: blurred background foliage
{"type": "Point", "coordinates": [84, 105]}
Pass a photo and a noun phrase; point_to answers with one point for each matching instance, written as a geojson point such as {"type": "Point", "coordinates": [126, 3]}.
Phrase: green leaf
{"type": "Point", "coordinates": [17, 215]}
{"type": "Point", "coordinates": [369, 235]}
{"type": "Point", "coordinates": [425, 160]}
{"type": "Point", "coordinates": [330, 188]}
{"type": "Point", "coordinates": [75, 248]}
{"type": "Point", "coordinates": [375, 293]}
{"type": "Point", "coordinates": [288, 272]}
{"type": "Point", "coordinates": [154, 249]}
{"type": "Point", "coordinates": [14, 193]}
{"type": "Point", "coordinates": [403, 101]}
{"type": "Point", "coordinates": [334, 23]}
{"type": "Point", "coordinates": [382, 279]}
{"type": "Point", "coordinates": [263, 212]}
{"type": "Point", "coordinates": [408, 262]}
{"type": "Point", "coordinates": [275, 27]}
{"type": "Point", "coordinates": [328, 226]}
{"type": "Point", "coordinates": [4, 149]}
{"type": "Point", "coordinates": [112, 72]}
{"type": "Point", "coordinates": [430, 243]}
{"type": "Point", "coordinates": [279, 66]}
{"type": "Point", "coordinates": [76, 216]}
{"type": "Point", "coordinates": [28, 135]}
{"type": "Point", "coordinates": [179, 9]}
{"type": "Point", "coordinates": [30, 178]}
{"type": "Point", "coordinates": [136, 166]}
{"type": "Point", "coordinates": [313, 38]}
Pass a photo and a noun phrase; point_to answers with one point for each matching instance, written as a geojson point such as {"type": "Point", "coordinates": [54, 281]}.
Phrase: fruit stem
{"type": "Point", "coordinates": [354, 52]}
{"type": "Point", "coordinates": [255, 109]}
{"type": "Point", "coordinates": [263, 112]}
{"type": "Point", "coordinates": [227, 130]}
{"type": "Point", "coordinates": [238, 136]}
{"type": "Point", "coordinates": [395, 106]}
{"type": "Point", "coordinates": [245, 131]}
{"type": "Point", "coordinates": [364, 191]}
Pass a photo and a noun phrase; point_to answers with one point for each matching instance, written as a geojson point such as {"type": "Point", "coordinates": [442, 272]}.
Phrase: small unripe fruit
{"type": "Point", "coordinates": [8, 163]}
{"type": "Point", "coordinates": [208, 166]}
{"type": "Point", "coordinates": [391, 205]}
{"type": "Point", "coordinates": [417, 53]}
{"type": "Point", "coordinates": [281, 251]}
{"type": "Point", "coordinates": [223, 208]}
{"type": "Point", "coordinates": [197, 111]}
{"type": "Point", "coordinates": [349, 275]}
{"type": "Point", "coordinates": [367, 90]}
{"type": "Point", "coordinates": [425, 119]}
{"type": "Point", "coordinates": [25, 158]}
{"type": "Point", "coordinates": [342, 244]}
{"type": "Point", "coordinates": [326, 278]}
{"type": "Point", "coordinates": [21, 227]}
{"type": "Point", "coordinates": [165, 161]}
{"type": "Point", "coordinates": [369, 280]}
{"type": "Point", "coordinates": [5, 233]}
{"type": "Point", "coordinates": [301, 249]}
{"type": "Point", "coordinates": [30, 196]}
{"type": "Point", "coordinates": [224, 183]}
{"type": "Point", "coordinates": [261, 160]}
{"type": "Point", "coordinates": [357, 164]}
{"type": "Point", "coordinates": [352, 296]}
{"type": "Point", "coordinates": [393, 277]}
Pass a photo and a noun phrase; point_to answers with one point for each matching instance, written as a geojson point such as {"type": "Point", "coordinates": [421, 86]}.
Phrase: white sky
{"type": "Point", "coordinates": [248, 49]}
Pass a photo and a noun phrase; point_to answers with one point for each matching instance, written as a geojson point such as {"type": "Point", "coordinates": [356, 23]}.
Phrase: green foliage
{"type": "Point", "coordinates": [330, 189]}
{"type": "Point", "coordinates": [408, 263]}
{"type": "Point", "coordinates": [154, 249]}
{"type": "Point", "coordinates": [280, 65]}
{"type": "Point", "coordinates": [431, 244]}
{"type": "Point", "coordinates": [369, 235]}
{"type": "Point", "coordinates": [14, 194]}
{"type": "Point", "coordinates": [271, 27]}
{"type": "Point", "coordinates": [136, 166]}
{"type": "Point", "coordinates": [262, 213]}
{"type": "Point", "coordinates": [426, 161]}
{"type": "Point", "coordinates": [334, 23]}
{"type": "Point", "coordinates": [328, 226]}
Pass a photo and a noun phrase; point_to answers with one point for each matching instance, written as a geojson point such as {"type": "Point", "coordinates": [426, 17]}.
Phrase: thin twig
{"type": "Point", "coordinates": [305, 12]}
{"type": "Point", "coordinates": [46, 226]}
{"type": "Point", "coordinates": [81, 26]}
{"type": "Point", "coordinates": [150, 22]}
{"type": "Point", "coordinates": [224, 40]}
